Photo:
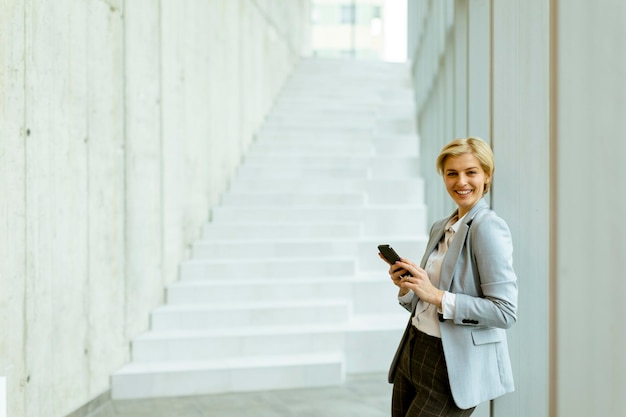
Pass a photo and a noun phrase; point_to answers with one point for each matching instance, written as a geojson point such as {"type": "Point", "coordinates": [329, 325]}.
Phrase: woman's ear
{"type": "Point", "coordinates": [487, 184]}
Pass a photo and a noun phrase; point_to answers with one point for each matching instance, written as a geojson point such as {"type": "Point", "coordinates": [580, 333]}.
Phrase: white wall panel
{"type": "Point", "coordinates": [143, 164]}
{"type": "Point", "coordinates": [178, 26]}
{"type": "Point", "coordinates": [521, 187]}
{"type": "Point", "coordinates": [460, 48]}
{"type": "Point", "coordinates": [12, 203]}
{"type": "Point", "coordinates": [56, 188]}
{"type": "Point", "coordinates": [478, 69]}
{"type": "Point", "coordinates": [105, 340]}
{"type": "Point", "coordinates": [590, 237]}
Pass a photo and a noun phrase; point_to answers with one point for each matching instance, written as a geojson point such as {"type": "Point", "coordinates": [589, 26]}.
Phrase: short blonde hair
{"type": "Point", "coordinates": [474, 146]}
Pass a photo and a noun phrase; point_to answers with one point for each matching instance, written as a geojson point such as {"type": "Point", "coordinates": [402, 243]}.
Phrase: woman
{"type": "Point", "coordinates": [454, 354]}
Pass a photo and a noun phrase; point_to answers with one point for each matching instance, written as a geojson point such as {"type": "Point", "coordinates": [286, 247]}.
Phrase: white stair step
{"type": "Point", "coordinates": [329, 161]}
{"type": "Point", "coordinates": [322, 103]}
{"type": "Point", "coordinates": [329, 185]}
{"type": "Point", "coordinates": [321, 130]}
{"type": "Point", "coordinates": [284, 148]}
{"type": "Point", "coordinates": [303, 114]}
{"type": "Point", "coordinates": [340, 91]}
{"type": "Point", "coordinates": [291, 165]}
{"type": "Point", "coordinates": [251, 269]}
{"type": "Point", "coordinates": [372, 341]}
{"type": "Point", "coordinates": [316, 121]}
{"type": "Point", "coordinates": [390, 166]}
{"type": "Point", "coordinates": [238, 342]}
{"type": "Point", "coordinates": [291, 162]}
{"type": "Point", "coordinates": [376, 220]}
{"type": "Point", "coordinates": [287, 248]}
{"type": "Point", "coordinates": [359, 249]}
{"type": "Point", "coordinates": [352, 81]}
{"type": "Point", "coordinates": [312, 185]}
{"type": "Point", "coordinates": [252, 313]}
{"type": "Point", "coordinates": [385, 191]}
{"type": "Point", "coordinates": [333, 95]}
{"type": "Point", "coordinates": [321, 126]}
{"type": "Point", "coordinates": [202, 345]}
{"type": "Point", "coordinates": [271, 289]}
{"type": "Point", "coordinates": [323, 114]}
{"type": "Point", "coordinates": [295, 137]}
{"type": "Point", "coordinates": [300, 171]}
{"type": "Point", "coordinates": [396, 145]}
{"type": "Point", "coordinates": [166, 379]}
{"type": "Point", "coordinates": [369, 294]}
{"type": "Point", "coordinates": [314, 214]}
{"type": "Point", "coordinates": [292, 199]}
{"type": "Point", "coordinates": [238, 231]}
{"type": "Point", "coordinates": [344, 91]}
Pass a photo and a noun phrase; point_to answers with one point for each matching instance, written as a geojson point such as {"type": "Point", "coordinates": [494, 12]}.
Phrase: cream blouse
{"type": "Point", "coordinates": [426, 318]}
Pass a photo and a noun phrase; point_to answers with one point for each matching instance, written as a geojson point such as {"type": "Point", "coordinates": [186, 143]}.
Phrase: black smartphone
{"type": "Point", "coordinates": [390, 255]}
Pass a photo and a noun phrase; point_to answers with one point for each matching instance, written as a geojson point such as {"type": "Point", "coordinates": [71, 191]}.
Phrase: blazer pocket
{"type": "Point", "coordinates": [484, 336]}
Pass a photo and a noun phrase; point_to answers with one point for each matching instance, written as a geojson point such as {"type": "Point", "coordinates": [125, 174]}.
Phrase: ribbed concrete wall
{"type": "Point", "coordinates": [588, 104]}
{"type": "Point", "coordinates": [481, 69]}
{"type": "Point", "coordinates": [543, 81]}
{"type": "Point", "coordinates": [120, 126]}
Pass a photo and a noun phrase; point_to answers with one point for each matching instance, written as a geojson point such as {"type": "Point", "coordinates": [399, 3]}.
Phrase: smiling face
{"type": "Point", "coordinates": [465, 180]}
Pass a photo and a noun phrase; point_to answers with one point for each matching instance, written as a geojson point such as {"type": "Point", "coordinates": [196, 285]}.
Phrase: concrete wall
{"type": "Point", "coordinates": [481, 69]}
{"type": "Point", "coordinates": [588, 274]}
{"type": "Point", "coordinates": [543, 82]}
{"type": "Point", "coordinates": [120, 126]}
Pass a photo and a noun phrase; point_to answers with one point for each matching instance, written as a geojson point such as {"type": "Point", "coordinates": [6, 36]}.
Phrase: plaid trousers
{"type": "Point", "coordinates": [420, 386]}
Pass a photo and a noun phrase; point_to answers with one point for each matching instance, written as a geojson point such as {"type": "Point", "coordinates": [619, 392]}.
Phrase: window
{"type": "Point", "coordinates": [376, 12]}
{"type": "Point", "coordinates": [347, 14]}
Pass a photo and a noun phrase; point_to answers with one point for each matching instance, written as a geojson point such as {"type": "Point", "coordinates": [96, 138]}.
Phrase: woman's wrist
{"type": "Point", "coordinates": [438, 299]}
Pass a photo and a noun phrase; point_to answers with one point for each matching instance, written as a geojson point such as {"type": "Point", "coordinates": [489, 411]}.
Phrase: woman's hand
{"type": "Point", "coordinates": [418, 282]}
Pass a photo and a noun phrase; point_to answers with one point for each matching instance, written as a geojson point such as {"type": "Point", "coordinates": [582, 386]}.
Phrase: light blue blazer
{"type": "Point", "coordinates": [478, 268]}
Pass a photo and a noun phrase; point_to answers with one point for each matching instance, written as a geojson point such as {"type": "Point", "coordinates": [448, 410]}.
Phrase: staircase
{"type": "Point", "coordinates": [285, 288]}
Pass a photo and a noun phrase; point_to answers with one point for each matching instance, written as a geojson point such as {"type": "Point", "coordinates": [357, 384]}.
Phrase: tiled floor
{"type": "Point", "coordinates": [361, 396]}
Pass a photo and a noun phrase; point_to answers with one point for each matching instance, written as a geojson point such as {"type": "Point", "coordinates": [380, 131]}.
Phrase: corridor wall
{"type": "Point", "coordinates": [121, 123]}
{"type": "Point", "coordinates": [481, 69]}
{"type": "Point", "coordinates": [543, 82]}
{"type": "Point", "coordinates": [588, 247]}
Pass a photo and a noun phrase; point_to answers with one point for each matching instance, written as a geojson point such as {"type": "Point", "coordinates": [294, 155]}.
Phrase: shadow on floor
{"type": "Point", "coordinates": [361, 396]}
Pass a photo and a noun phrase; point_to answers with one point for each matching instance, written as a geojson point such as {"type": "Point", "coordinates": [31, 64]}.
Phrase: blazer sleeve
{"type": "Point", "coordinates": [409, 305]}
{"type": "Point", "coordinates": [492, 266]}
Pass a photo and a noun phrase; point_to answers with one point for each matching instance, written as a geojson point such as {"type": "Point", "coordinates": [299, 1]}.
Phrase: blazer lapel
{"type": "Point", "coordinates": [435, 237]}
{"type": "Point", "coordinates": [452, 255]}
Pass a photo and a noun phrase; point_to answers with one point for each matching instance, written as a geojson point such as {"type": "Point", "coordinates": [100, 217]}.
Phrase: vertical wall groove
{"type": "Point", "coordinates": [125, 170]}
{"type": "Point", "coordinates": [161, 139]}
{"type": "Point", "coordinates": [24, 136]}
{"type": "Point", "coordinates": [553, 346]}
{"type": "Point", "coordinates": [492, 190]}
{"type": "Point", "coordinates": [88, 231]}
